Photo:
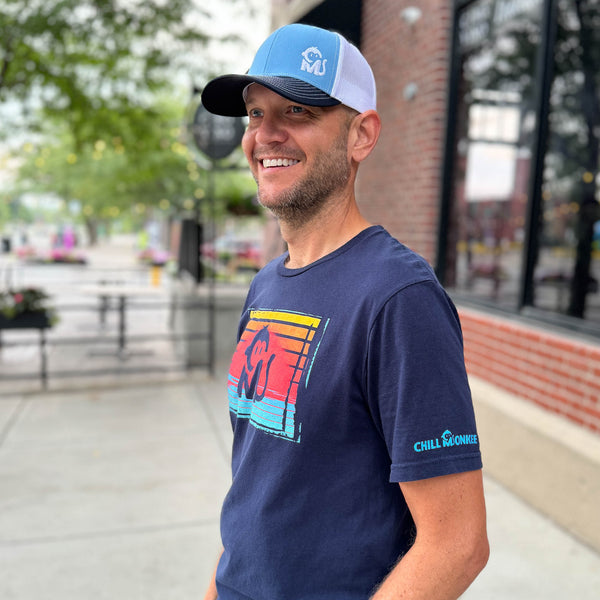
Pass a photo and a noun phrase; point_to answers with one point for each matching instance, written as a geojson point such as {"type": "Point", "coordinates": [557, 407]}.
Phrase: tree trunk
{"type": "Point", "coordinates": [91, 226]}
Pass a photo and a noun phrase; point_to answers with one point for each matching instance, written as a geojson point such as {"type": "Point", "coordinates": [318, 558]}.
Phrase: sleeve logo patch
{"type": "Point", "coordinates": [446, 440]}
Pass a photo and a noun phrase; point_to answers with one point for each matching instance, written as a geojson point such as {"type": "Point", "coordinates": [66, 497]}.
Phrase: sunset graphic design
{"type": "Point", "coordinates": [273, 358]}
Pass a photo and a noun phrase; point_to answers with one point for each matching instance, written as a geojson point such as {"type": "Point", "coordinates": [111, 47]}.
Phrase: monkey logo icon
{"type": "Point", "coordinates": [313, 62]}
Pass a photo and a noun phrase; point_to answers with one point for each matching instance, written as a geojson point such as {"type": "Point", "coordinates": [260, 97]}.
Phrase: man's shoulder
{"type": "Point", "coordinates": [389, 260]}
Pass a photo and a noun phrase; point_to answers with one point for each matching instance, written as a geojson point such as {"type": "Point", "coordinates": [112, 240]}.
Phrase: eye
{"type": "Point", "coordinates": [254, 113]}
{"type": "Point", "coordinates": [297, 109]}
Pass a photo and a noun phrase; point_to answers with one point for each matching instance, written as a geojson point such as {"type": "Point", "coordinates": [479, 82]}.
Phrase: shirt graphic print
{"type": "Point", "coordinates": [274, 356]}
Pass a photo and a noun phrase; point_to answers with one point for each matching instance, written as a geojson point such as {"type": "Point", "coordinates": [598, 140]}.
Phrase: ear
{"type": "Point", "coordinates": [364, 133]}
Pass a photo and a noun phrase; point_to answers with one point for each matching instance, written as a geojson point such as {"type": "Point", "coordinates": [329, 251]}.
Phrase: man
{"type": "Point", "coordinates": [356, 465]}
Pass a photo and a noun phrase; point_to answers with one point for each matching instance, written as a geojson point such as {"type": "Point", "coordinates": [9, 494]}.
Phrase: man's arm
{"type": "Point", "coordinates": [211, 592]}
{"type": "Point", "coordinates": [451, 546]}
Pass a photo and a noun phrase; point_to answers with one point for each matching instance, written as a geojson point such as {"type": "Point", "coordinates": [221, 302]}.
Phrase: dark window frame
{"type": "Point", "coordinates": [524, 310]}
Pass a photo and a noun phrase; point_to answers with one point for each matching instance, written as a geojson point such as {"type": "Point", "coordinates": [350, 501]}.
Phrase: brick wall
{"type": "Point", "coordinates": [399, 185]}
{"type": "Point", "coordinates": [553, 371]}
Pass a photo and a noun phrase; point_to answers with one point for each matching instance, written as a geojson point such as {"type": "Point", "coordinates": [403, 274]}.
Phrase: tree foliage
{"type": "Point", "coordinates": [87, 60]}
{"type": "Point", "coordinates": [103, 84]}
{"type": "Point", "coordinates": [114, 176]}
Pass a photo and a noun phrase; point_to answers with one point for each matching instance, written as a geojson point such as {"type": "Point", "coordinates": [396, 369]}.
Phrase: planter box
{"type": "Point", "coordinates": [30, 320]}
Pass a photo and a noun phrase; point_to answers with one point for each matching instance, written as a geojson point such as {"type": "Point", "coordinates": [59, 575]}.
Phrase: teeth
{"type": "Point", "coordinates": [278, 162]}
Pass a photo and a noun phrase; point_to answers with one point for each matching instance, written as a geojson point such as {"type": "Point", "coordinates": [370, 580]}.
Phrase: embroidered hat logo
{"type": "Point", "coordinates": [312, 61]}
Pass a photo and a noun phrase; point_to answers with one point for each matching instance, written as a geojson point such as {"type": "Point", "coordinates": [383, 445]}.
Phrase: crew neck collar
{"type": "Point", "coordinates": [287, 272]}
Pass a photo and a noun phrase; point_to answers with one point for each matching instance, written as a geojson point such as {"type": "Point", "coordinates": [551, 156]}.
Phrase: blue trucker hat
{"type": "Point", "coordinates": [302, 63]}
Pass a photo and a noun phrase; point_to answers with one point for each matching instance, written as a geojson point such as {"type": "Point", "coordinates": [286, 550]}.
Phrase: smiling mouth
{"type": "Point", "coordinates": [267, 163]}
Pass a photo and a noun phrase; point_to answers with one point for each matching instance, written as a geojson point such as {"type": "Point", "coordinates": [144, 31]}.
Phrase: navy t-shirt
{"type": "Point", "coordinates": [347, 379]}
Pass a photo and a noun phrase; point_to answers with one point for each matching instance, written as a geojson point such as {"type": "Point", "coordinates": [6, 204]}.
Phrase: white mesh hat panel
{"type": "Point", "coordinates": [355, 84]}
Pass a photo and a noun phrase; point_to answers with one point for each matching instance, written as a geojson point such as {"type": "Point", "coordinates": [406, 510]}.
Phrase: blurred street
{"type": "Point", "coordinates": [92, 338]}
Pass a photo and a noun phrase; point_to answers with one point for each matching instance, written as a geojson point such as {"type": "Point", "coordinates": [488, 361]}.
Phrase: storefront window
{"type": "Point", "coordinates": [567, 273]}
{"type": "Point", "coordinates": [495, 121]}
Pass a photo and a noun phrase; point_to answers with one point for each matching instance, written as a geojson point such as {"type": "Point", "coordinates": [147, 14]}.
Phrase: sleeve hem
{"type": "Point", "coordinates": [437, 468]}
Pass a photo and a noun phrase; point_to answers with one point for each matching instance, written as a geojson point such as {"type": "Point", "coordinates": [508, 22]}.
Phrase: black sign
{"type": "Point", "coordinates": [215, 135]}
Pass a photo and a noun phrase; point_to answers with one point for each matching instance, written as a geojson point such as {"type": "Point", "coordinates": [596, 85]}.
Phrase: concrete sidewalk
{"type": "Point", "coordinates": [115, 493]}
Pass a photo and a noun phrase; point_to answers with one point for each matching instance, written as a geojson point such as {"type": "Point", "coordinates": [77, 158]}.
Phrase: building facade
{"type": "Point", "coordinates": [488, 166]}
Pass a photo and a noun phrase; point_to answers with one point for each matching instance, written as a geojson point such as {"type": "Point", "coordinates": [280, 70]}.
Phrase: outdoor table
{"type": "Point", "coordinates": [123, 293]}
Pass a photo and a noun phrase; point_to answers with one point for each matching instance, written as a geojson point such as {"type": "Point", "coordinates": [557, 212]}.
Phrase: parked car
{"type": "Point", "coordinates": [234, 254]}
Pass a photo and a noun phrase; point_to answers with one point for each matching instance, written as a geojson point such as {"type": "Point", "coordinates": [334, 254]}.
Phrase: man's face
{"type": "Point", "coordinates": [298, 154]}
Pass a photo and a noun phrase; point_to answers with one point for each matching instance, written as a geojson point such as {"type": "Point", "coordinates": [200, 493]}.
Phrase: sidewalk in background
{"type": "Point", "coordinates": [112, 493]}
{"type": "Point", "coordinates": [115, 493]}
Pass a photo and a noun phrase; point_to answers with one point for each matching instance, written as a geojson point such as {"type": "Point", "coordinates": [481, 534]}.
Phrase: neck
{"type": "Point", "coordinates": [324, 233]}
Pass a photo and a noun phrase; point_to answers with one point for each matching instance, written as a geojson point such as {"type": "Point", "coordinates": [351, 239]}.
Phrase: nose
{"type": "Point", "coordinates": [270, 130]}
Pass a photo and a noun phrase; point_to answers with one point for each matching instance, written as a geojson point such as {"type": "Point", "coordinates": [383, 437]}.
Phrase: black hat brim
{"type": "Point", "coordinates": [224, 95]}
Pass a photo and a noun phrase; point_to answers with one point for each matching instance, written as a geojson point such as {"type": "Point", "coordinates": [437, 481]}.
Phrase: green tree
{"type": "Point", "coordinates": [112, 177]}
{"type": "Point", "coordinates": [87, 75]}
{"type": "Point", "coordinates": [87, 60]}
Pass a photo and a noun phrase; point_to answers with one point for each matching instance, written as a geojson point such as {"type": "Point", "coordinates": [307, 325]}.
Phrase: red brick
{"type": "Point", "coordinates": [559, 374]}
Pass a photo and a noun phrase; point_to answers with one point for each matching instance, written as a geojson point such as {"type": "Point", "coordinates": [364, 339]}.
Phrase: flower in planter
{"type": "Point", "coordinates": [55, 255]}
{"type": "Point", "coordinates": [152, 256]}
{"type": "Point", "coordinates": [25, 300]}
{"type": "Point", "coordinates": [25, 252]}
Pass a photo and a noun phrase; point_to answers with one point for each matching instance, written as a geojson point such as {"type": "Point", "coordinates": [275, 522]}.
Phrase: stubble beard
{"type": "Point", "coordinates": [305, 199]}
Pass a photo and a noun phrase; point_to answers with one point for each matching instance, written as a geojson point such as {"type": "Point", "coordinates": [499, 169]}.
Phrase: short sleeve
{"type": "Point", "coordinates": [417, 385]}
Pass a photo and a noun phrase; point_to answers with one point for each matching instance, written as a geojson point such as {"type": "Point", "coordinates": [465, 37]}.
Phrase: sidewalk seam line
{"type": "Point", "coordinates": [13, 419]}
